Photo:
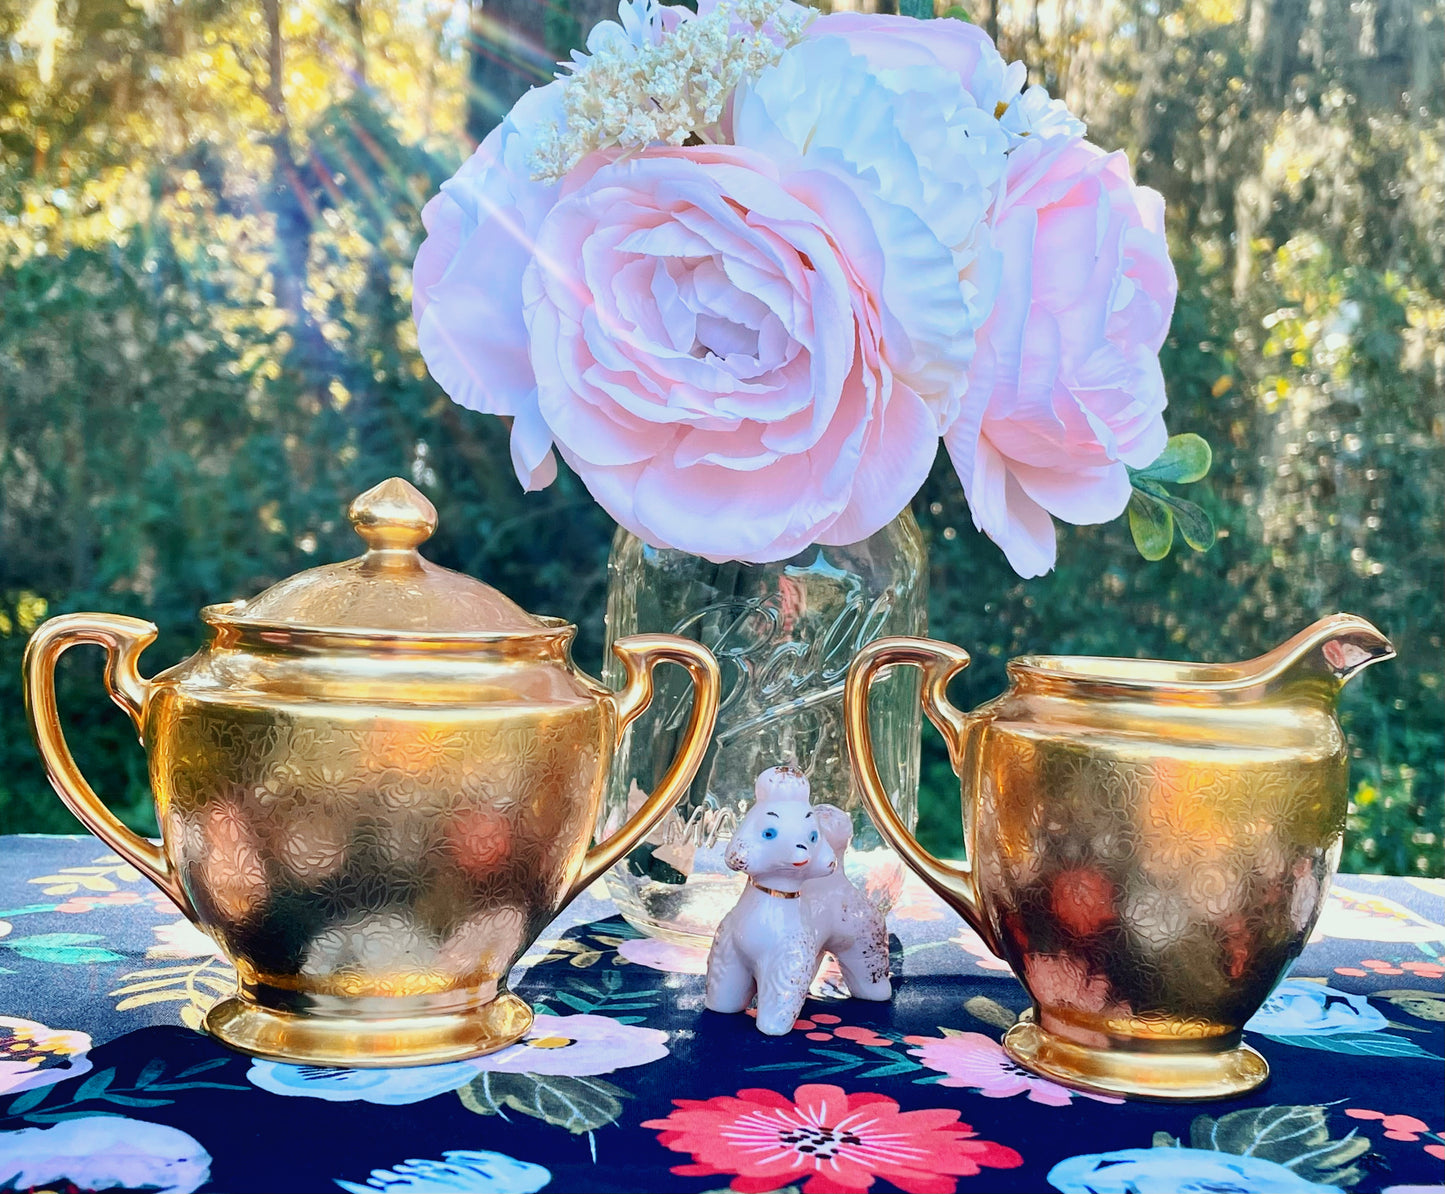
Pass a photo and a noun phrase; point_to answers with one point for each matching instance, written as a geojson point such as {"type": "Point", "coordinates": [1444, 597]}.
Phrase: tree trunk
{"type": "Point", "coordinates": [291, 208]}
{"type": "Point", "coordinates": [1282, 26]}
{"type": "Point", "coordinates": [356, 35]}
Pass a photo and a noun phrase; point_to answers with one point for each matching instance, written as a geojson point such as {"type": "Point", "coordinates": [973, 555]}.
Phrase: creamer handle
{"type": "Point", "coordinates": [640, 653]}
{"type": "Point", "coordinates": [123, 639]}
{"type": "Point", "coordinates": [940, 662]}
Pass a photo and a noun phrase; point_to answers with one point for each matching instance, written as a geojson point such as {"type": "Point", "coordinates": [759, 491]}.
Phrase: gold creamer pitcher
{"type": "Point", "coordinates": [375, 784]}
{"type": "Point", "coordinates": [1149, 843]}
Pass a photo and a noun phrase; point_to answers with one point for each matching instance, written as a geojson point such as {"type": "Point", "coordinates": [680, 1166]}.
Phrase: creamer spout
{"type": "Point", "coordinates": [1335, 647]}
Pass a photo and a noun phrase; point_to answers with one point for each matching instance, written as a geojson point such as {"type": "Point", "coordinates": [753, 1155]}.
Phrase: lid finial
{"type": "Point", "coordinates": [391, 588]}
{"type": "Point", "coordinates": [393, 516]}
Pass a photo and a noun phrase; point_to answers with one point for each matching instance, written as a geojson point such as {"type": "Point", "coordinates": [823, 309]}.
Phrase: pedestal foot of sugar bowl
{"type": "Point", "coordinates": [356, 1041]}
{"type": "Point", "coordinates": [1135, 1073]}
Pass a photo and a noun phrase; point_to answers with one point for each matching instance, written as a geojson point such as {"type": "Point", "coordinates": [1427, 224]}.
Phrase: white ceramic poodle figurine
{"type": "Point", "coordinates": [798, 904]}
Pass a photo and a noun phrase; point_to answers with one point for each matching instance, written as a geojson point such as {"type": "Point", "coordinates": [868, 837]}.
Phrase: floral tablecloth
{"type": "Point", "coordinates": [627, 1083]}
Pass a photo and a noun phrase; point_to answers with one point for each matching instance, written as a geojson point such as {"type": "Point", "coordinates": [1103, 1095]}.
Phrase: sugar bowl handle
{"type": "Point", "coordinates": [940, 662]}
{"type": "Point", "coordinates": [640, 653]}
{"type": "Point", "coordinates": [123, 639]}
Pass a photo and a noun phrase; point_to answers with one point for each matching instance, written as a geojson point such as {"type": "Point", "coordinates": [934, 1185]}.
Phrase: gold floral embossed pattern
{"type": "Point", "coordinates": [1148, 891]}
{"type": "Point", "coordinates": [341, 853]}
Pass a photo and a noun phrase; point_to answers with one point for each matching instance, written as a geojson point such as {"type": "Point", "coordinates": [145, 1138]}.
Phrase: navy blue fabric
{"type": "Point", "coordinates": [1368, 1040]}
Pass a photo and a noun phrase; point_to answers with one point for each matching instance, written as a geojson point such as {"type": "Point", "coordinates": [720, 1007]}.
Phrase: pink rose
{"type": "Point", "coordinates": [708, 356]}
{"type": "Point", "coordinates": [1065, 389]}
{"type": "Point", "coordinates": [745, 349]}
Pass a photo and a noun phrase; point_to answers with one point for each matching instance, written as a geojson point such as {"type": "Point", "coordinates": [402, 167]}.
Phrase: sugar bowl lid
{"type": "Point", "coordinates": [390, 588]}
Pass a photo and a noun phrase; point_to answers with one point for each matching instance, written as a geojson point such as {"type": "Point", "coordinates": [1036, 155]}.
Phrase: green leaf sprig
{"type": "Point", "coordinates": [1154, 511]}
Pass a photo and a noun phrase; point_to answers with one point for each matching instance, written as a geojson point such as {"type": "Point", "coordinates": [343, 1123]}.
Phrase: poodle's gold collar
{"type": "Point", "coordinates": [782, 895]}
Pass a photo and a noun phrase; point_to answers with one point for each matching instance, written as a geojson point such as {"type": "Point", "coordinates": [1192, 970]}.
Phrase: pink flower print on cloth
{"type": "Point", "coordinates": [983, 957]}
{"type": "Point", "coordinates": [32, 1055]}
{"type": "Point", "coordinates": [823, 1027]}
{"type": "Point", "coordinates": [88, 903]}
{"type": "Point", "coordinates": [667, 956]}
{"type": "Point", "coordinates": [917, 902]}
{"type": "Point", "coordinates": [970, 1059]}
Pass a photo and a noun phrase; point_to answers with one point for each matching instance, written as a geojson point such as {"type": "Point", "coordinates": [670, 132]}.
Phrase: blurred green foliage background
{"type": "Point", "coordinates": [209, 213]}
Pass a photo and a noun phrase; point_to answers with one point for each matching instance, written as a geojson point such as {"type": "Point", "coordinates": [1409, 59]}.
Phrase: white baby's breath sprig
{"type": "Point", "coordinates": [640, 86]}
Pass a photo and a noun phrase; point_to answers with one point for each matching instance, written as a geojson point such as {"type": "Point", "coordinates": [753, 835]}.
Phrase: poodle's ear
{"type": "Point", "coordinates": [837, 826]}
{"type": "Point", "coordinates": [737, 854]}
{"type": "Point", "coordinates": [781, 783]}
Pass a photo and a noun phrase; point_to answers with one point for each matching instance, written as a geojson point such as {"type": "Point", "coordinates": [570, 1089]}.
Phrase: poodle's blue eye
{"type": "Point", "coordinates": [814, 838]}
{"type": "Point", "coordinates": [769, 834]}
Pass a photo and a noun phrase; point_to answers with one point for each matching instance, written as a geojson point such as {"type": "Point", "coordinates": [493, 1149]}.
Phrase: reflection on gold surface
{"type": "Point", "coordinates": [480, 840]}
{"type": "Point", "coordinates": [486, 944]}
{"type": "Point", "coordinates": [366, 952]}
{"type": "Point", "coordinates": [229, 863]}
{"type": "Point", "coordinates": [1061, 981]}
{"type": "Point", "coordinates": [1157, 919]}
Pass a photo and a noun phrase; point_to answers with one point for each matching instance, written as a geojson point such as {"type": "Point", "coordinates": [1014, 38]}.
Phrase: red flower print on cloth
{"type": "Point", "coordinates": [840, 1142]}
{"type": "Point", "coordinates": [1404, 1127]}
{"type": "Point", "coordinates": [822, 1027]}
{"type": "Point", "coordinates": [1376, 966]}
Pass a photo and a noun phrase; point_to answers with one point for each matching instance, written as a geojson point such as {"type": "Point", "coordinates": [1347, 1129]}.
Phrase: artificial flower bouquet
{"type": "Point", "coordinates": [744, 267]}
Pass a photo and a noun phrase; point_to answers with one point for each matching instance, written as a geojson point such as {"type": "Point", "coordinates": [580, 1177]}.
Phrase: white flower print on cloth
{"type": "Point", "coordinates": [1362, 916]}
{"type": "Point", "coordinates": [103, 1152]}
{"type": "Point", "coordinates": [181, 939]}
{"type": "Point", "coordinates": [572, 1046]}
{"type": "Point", "coordinates": [577, 1047]}
{"type": "Point", "coordinates": [1177, 1171]}
{"type": "Point", "coordinates": [387, 1087]}
{"type": "Point", "coordinates": [32, 1055]}
{"type": "Point", "coordinates": [1301, 1008]}
{"type": "Point", "coordinates": [459, 1172]}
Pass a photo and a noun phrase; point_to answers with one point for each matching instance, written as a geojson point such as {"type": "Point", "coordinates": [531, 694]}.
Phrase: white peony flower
{"type": "Point", "coordinates": [927, 164]}
{"type": "Point", "coordinates": [1032, 112]}
{"type": "Point", "coordinates": [103, 1152]}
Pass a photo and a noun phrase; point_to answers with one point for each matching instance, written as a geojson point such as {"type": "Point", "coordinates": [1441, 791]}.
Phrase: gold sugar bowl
{"type": "Point", "coordinates": [376, 785]}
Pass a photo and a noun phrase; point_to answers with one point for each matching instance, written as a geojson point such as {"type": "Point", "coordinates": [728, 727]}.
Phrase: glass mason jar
{"type": "Point", "coordinates": [784, 635]}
